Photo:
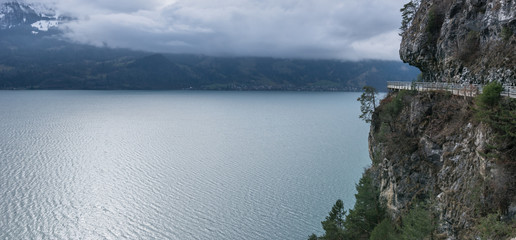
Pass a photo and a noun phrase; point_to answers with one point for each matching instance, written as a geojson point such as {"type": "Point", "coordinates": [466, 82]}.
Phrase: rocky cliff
{"type": "Point", "coordinates": [429, 146]}
{"type": "Point", "coordinates": [462, 40]}
{"type": "Point", "coordinates": [444, 166]}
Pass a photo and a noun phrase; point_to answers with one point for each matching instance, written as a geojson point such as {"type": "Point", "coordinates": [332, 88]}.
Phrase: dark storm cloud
{"type": "Point", "coordinates": [341, 29]}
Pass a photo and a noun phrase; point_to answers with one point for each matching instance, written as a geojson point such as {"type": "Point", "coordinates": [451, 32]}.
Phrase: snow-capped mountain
{"type": "Point", "coordinates": [34, 17]}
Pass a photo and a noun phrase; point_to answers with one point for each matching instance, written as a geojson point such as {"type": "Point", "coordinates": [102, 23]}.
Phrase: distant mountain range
{"type": "Point", "coordinates": [33, 55]}
{"type": "Point", "coordinates": [29, 18]}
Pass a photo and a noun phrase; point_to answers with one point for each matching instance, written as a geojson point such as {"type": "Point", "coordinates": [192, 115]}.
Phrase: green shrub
{"type": "Point", "coordinates": [393, 108]}
{"type": "Point", "coordinates": [384, 132]}
{"type": "Point", "coordinates": [487, 103]}
{"type": "Point", "coordinates": [490, 227]}
{"type": "Point", "coordinates": [490, 96]}
{"type": "Point", "coordinates": [500, 114]}
{"type": "Point", "coordinates": [385, 231]}
{"type": "Point", "coordinates": [418, 224]}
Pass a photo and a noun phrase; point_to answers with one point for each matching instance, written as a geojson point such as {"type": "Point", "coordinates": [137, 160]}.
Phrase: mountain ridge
{"type": "Point", "coordinates": [37, 17]}
{"type": "Point", "coordinates": [34, 54]}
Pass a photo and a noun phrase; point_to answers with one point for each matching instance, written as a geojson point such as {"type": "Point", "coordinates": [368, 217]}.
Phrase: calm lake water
{"type": "Point", "coordinates": [176, 164]}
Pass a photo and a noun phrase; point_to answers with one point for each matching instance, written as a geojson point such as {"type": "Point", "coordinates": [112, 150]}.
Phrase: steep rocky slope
{"type": "Point", "coordinates": [429, 146]}
{"type": "Point", "coordinates": [462, 40]}
{"type": "Point", "coordinates": [444, 166]}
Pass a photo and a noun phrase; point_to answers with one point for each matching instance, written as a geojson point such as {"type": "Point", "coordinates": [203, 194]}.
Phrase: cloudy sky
{"type": "Point", "coordinates": [335, 29]}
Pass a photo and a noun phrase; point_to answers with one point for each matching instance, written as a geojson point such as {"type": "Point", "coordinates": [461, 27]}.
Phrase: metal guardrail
{"type": "Point", "coordinates": [509, 91]}
{"type": "Point", "coordinates": [468, 90]}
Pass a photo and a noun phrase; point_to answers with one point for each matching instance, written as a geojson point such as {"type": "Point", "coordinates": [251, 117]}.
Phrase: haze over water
{"type": "Point", "coordinates": [176, 164]}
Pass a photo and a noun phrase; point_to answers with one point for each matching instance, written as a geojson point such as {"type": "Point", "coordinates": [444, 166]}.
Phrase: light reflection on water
{"type": "Point", "coordinates": [175, 165]}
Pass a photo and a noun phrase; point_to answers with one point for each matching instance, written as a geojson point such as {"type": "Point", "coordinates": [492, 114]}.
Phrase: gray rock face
{"type": "Point", "coordinates": [463, 41]}
{"type": "Point", "coordinates": [437, 151]}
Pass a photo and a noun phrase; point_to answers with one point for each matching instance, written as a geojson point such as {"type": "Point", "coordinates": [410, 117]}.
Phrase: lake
{"type": "Point", "coordinates": [176, 164]}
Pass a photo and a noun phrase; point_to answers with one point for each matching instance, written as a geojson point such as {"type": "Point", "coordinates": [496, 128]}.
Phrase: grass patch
{"type": "Point", "coordinates": [491, 227]}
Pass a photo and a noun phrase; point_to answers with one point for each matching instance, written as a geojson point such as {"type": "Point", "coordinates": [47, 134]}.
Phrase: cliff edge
{"type": "Point", "coordinates": [434, 148]}
{"type": "Point", "coordinates": [461, 41]}
{"type": "Point", "coordinates": [443, 165]}
{"type": "Point", "coordinates": [430, 147]}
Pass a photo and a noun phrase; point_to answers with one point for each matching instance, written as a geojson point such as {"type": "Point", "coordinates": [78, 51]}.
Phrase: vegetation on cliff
{"type": "Point", "coordinates": [361, 220]}
{"type": "Point", "coordinates": [500, 114]}
{"type": "Point", "coordinates": [369, 219]}
{"type": "Point", "coordinates": [433, 147]}
{"type": "Point", "coordinates": [443, 167]}
{"type": "Point", "coordinates": [367, 103]}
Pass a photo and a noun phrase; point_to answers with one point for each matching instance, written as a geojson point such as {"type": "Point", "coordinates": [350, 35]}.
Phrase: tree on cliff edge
{"type": "Point", "coordinates": [334, 223]}
{"type": "Point", "coordinates": [407, 13]}
{"type": "Point", "coordinates": [367, 103]}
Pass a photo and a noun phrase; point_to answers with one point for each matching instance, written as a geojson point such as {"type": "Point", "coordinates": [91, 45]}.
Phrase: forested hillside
{"type": "Point", "coordinates": [45, 62]}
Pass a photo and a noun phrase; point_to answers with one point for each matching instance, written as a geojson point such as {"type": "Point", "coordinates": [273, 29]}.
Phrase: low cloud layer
{"type": "Point", "coordinates": [336, 29]}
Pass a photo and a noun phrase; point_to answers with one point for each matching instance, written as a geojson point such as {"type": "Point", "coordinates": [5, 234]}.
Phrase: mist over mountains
{"type": "Point", "coordinates": [34, 54]}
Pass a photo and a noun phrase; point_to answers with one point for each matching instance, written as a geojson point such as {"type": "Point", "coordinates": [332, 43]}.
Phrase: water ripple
{"type": "Point", "coordinates": [175, 165]}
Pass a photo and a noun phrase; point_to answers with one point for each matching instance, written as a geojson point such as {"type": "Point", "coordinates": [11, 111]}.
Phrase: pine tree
{"type": "Point", "coordinates": [417, 224]}
{"type": "Point", "coordinates": [407, 14]}
{"type": "Point", "coordinates": [385, 231]}
{"type": "Point", "coordinates": [334, 223]}
{"type": "Point", "coordinates": [367, 212]}
{"type": "Point", "coordinates": [367, 103]}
